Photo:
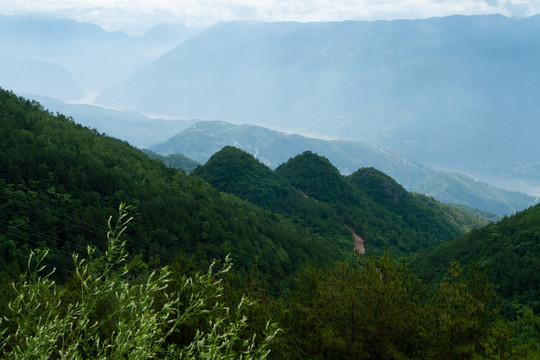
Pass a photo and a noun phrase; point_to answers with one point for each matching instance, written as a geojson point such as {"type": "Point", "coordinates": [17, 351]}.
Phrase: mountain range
{"type": "Point", "coordinates": [137, 129]}
{"type": "Point", "coordinates": [58, 179]}
{"type": "Point", "coordinates": [454, 93]}
{"type": "Point", "coordinates": [291, 232]}
{"type": "Point", "coordinates": [457, 92]}
{"type": "Point", "coordinates": [201, 140]}
{"type": "Point", "coordinates": [296, 214]}
{"type": "Point", "coordinates": [95, 58]}
{"type": "Point", "coordinates": [38, 77]}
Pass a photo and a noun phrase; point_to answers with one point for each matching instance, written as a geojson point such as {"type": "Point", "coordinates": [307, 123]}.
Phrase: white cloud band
{"type": "Point", "coordinates": [114, 14]}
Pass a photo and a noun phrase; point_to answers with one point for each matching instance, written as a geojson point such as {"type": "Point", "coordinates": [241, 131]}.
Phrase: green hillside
{"type": "Point", "coordinates": [380, 223]}
{"type": "Point", "coordinates": [311, 190]}
{"type": "Point", "coordinates": [59, 182]}
{"type": "Point", "coordinates": [237, 172]}
{"type": "Point", "coordinates": [509, 249]}
{"type": "Point", "coordinates": [422, 212]}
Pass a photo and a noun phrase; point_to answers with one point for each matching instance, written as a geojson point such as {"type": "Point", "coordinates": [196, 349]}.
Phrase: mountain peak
{"type": "Point", "coordinates": [314, 175]}
{"type": "Point", "coordinates": [378, 184]}
{"type": "Point", "coordinates": [235, 171]}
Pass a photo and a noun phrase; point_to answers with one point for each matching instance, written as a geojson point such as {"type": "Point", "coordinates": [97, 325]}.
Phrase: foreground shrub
{"type": "Point", "coordinates": [106, 317]}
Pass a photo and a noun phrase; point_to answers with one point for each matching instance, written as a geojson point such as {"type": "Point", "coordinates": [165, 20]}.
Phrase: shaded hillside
{"type": "Point", "coordinates": [489, 217]}
{"type": "Point", "coordinates": [237, 172]}
{"type": "Point", "coordinates": [378, 223]}
{"type": "Point", "coordinates": [509, 249]}
{"type": "Point", "coordinates": [59, 182]}
{"type": "Point", "coordinates": [422, 211]}
{"type": "Point", "coordinates": [457, 91]}
{"type": "Point", "coordinates": [310, 189]}
{"type": "Point", "coordinates": [461, 189]}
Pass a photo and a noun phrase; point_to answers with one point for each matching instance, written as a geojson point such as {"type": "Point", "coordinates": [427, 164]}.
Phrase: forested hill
{"type": "Point", "coordinates": [509, 249]}
{"type": "Point", "coordinates": [311, 190]}
{"type": "Point", "coordinates": [59, 182]}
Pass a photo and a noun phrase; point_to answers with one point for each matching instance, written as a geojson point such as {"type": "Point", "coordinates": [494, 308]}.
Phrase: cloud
{"type": "Point", "coordinates": [124, 14]}
{"type": "Point", "coordinates": [517, 8]}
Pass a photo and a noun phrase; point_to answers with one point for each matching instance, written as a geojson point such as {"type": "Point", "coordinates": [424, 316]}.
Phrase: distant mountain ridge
{"type": "Point", "coordinates": [38, 77]}
{"type": "Point", "coordinates": [203, 139]}
{"type": "Point", "coordinates": [461, 189]}
{"type": "Point", "coordinates": [176, 161]}
{"type": "Point", "coordinates": [94, 57]}
{"type": "Point", "coordinates": [458, 92]}
{"type": "Point", "coordinates": [54, 40]}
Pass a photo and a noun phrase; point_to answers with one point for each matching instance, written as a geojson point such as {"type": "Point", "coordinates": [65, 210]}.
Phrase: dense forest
{"type": "Point", "coordinates": [368, 202]}
{"type": "Point", "coordinates": [140, 252]}
{"type": "Point", "coordinates": [60, 181]}
{"type": "Point", "coordinates": [510, 250]}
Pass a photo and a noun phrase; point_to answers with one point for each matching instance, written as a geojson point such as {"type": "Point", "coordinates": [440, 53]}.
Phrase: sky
{"type": "Point", "coordinates": [136, 16]}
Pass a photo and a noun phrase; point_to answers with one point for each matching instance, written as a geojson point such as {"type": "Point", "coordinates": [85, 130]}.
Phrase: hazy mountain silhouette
{"type": "Point", "coordinates": [96, 58]}
{"type": "Point", "coordinates": [458, 92]}
{"type": "Point", "coordinates": [38, 77]}
{"type": "Point", "coordinates": [115, 63]}
{"type": "Point", "coordinates": [66, 42]}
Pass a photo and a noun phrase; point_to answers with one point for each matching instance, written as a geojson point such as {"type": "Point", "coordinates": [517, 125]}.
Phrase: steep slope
{"type": "Point", "coordinates": [458, 91]}
{"type": "Point", "coordinates": [237, 172]}
{"type": "Point", "coordinates": [310, 189]}
{"type": "Point", "coordinates": [422, 212]}
{"type": "Point", "coordinates": [509, 249]}
{"type": "Point", "coordinates": [60, 181]}
{"type": "Point", "coordinates": [461, 189]}
{"type": "Point", "coordinates": [376, 220]}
